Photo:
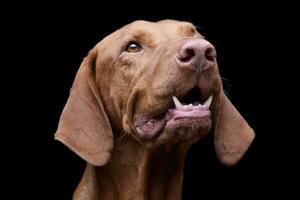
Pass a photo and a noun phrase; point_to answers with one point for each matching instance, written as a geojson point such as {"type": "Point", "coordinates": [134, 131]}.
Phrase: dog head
{"type": "Point", "coordinates": [157, 82]}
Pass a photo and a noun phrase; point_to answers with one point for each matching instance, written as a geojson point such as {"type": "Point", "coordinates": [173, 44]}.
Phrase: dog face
{"type": "Point", "coordinates": [147, 75]}
{"type": "Point", "coordinates": [157, 82]}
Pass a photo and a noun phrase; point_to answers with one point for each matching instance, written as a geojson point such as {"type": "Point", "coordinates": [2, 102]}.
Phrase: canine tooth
{"type": "Point", "coordinates": [208, 101]}
{"type": "Point", "coordinates": [176, 102]}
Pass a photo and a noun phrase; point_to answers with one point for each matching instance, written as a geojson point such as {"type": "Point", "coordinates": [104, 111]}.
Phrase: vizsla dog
{"type": "Point", "coordinates": [140, 99]}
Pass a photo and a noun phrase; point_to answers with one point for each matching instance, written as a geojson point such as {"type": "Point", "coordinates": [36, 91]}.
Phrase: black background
{"type": "Point", "coordinates": [48, 44]}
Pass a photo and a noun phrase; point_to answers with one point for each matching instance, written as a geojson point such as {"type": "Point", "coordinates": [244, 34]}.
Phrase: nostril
{"type": "Point", "coordinates": [188, 54]}
{"type": "Point", "coordinates": [210, 54]}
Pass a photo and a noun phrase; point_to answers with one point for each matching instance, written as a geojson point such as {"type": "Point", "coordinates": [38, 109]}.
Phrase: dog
{"type": "Point", "coordinates": [140, 99]}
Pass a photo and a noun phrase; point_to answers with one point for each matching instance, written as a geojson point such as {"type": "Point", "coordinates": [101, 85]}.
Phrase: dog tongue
{"type": "Point", "coordinates": [189, 111]}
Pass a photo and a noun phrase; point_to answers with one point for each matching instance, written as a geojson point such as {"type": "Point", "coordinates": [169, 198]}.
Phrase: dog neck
{"type": "Point", "coordinates": [135, 172]}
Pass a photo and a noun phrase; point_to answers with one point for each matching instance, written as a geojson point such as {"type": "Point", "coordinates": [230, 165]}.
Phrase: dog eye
{"type": "Point", "coordinates": [133, 47]}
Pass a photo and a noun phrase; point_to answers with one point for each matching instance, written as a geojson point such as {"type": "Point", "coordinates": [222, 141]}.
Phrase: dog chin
{"type": "Point", "coordinates": [187, 128]}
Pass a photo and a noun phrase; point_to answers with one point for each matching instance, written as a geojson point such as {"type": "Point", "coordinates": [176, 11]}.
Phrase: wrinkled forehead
{"type": "Point", "coordinates": [165, 29]}
{"type": "Point", "coordinates": [151, 33]}
{"type": "Point", "coordinates": [162, 29]}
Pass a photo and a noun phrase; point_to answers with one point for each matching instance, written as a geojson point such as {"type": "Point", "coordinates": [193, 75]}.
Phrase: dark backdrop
{"type": "Point", "coordinates": [50, 42]}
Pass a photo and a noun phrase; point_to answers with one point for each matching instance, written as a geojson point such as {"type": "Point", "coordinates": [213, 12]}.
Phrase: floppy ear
{"type": "Point", "coordinates": [84, 126]}
{"type": "Point", "coordinates": [233, 135]}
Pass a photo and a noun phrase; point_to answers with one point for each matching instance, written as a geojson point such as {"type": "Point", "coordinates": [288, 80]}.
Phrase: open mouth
{"type": "Point", "coordinates": [191, 106]}
{"type": "Point", "coordinates": [190, 111]}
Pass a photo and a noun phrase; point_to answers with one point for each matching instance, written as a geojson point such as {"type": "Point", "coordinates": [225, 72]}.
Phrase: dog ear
{"type": "Point", "coordinates": [233, 135]}
{"type": "Point", "coordinates": [84, 126]}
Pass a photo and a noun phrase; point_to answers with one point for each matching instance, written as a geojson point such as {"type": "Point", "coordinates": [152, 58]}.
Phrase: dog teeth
{"type": "Point", "coordinates": [208, 101]}
{"type": "Point", "coordinates": [176, 102]}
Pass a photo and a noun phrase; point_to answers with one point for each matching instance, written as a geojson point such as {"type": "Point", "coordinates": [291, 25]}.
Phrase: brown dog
{"type": "Point", "coordinates": [140, 99]}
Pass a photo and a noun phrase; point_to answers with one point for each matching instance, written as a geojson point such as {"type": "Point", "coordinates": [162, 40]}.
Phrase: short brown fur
{"type": "Point", "coordinates": [112, 88]}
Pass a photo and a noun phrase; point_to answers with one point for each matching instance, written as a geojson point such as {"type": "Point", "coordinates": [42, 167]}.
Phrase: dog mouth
{"type": "Point", "coordinates": [194, 109]}
{"type": "Point", "coordinates": [190, 112]}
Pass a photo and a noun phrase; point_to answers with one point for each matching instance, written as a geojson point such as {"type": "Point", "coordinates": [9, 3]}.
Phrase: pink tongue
{"type": "Point", "coordinates": [188, 111]}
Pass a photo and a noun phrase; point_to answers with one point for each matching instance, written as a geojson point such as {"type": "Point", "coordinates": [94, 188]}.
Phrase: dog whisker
{"type": "Point", "coordinates": [121, 136]}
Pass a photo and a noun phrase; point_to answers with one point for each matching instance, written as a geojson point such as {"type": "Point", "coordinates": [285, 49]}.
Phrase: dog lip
{"type": "Point", "coordinates": [149, 127]}
{"type": "Point", "coordinates": [175, 113]}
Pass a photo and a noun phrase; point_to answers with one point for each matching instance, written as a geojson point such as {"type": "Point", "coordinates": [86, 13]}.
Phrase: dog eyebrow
{"type": "Point", "coordinates": [144, 36]}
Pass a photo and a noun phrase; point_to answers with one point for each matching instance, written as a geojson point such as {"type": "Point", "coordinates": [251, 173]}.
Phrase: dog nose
{"type": "Point", "coordinates": [196, 54]}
